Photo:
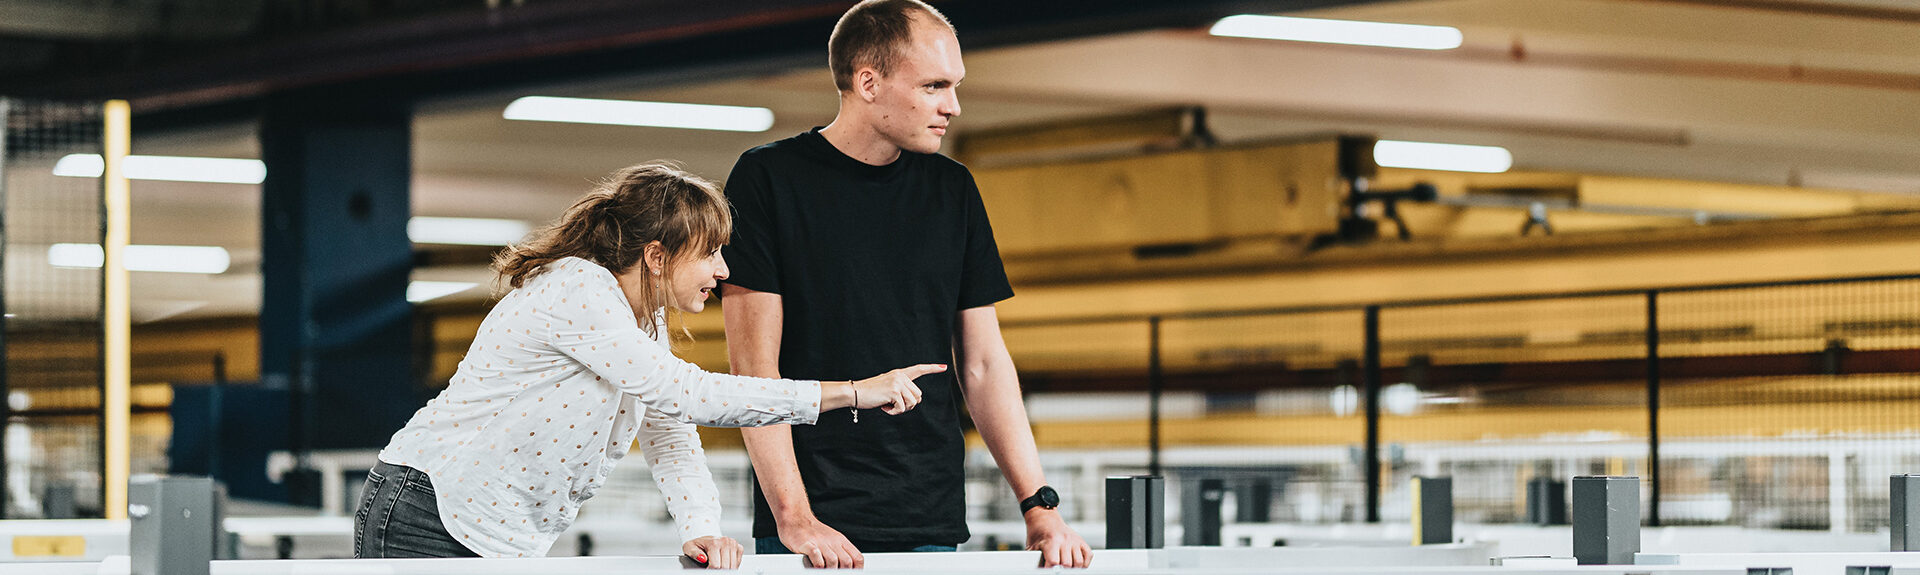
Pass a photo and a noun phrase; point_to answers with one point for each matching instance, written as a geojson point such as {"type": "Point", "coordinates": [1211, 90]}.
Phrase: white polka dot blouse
{"type": "Point", "coordinates": [560, 382]}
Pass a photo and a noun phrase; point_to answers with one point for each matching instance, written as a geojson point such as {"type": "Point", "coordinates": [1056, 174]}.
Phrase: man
{"type": "Point", "coordinates": [855, 246]}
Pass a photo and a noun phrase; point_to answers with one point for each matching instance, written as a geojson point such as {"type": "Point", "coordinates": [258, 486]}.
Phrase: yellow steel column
{"type": "Point", "coordinates": [116, 409]}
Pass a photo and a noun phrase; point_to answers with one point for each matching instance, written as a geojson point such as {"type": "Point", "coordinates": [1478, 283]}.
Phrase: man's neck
{"type": "Point", "coordinates": [860, 142]}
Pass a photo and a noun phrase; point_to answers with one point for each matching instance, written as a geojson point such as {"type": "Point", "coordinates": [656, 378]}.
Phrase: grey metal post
{"type": "Point", "coordinates": [172, 525]}
{"type": "Point", "coordinates": [1156, 386]}
{"type": "Point", "coordinates": [1370, 468]}
{"type": "Point", "coordinates": [1253, 500]}
{"type": "Point", "coordinates": [1432, 510]}
{"type": "Point", "coordinates": [1653, 407]}
{"type": "Point", "coordinates": [1200, 510]}
{"type": "Point", "coordinates": [57, 500]}
{"type": "Point", "coordinates": [224, 543]}
{"type": "Point", "coordinates": [1136, 512]}
{"type": "Point", "coordinates": [216, 416]}
{"type": "Point", "coordinates": [1546, 501]}
{"type": "Point", "coordinates": [1606, 520]}
{"type": "Point", "coordinates": [1903, 517]}
{"type": "Point", "coordinates": [6, 408]}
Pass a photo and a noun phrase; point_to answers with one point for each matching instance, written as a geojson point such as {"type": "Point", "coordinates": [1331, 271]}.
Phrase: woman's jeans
{"type": "Point", "coordinates": [398, 517]}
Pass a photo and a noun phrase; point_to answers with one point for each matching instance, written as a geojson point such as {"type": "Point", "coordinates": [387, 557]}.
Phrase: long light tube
{"type": "Point", "coordinates": [168, 168]}
{"type": "Point", "coordinates": [424, 290]}
{"type": "Point", "coordinates": [636, 113]}
{"type": "Point", "coordinates": [173, 259]}
{"type": "Point", "coordinates": [1447, 157]}
{"type": "Point", "coordinates": [466, 231]}
{"type": "Point", "coordinates": [1353, 32]}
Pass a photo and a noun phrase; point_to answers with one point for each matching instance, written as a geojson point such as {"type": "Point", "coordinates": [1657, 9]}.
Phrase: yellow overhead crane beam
{"type": "Point", "coordinates": [1158, 129]}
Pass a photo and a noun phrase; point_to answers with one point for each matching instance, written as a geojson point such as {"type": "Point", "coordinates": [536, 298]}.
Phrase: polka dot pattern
{"type": "Point", "coordinates": [571, 383]}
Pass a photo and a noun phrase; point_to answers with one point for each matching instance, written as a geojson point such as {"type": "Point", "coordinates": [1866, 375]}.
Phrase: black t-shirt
{"type": "Point", "coordinates": [873, 265]}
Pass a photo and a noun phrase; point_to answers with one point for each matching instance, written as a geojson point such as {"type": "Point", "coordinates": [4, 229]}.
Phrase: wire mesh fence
{"type": "Point", "coordinates": [1463, 384]}
{"type": "Point", "coordinates": [1807, 395]}
{"type": "Point", "coordinates": [52, 308]}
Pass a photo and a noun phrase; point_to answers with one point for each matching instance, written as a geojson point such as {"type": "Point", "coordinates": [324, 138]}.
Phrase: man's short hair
{"type": "Point", "coordinates": [872, 34]}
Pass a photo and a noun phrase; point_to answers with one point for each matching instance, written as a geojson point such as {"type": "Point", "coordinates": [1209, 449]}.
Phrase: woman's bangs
{"type": "Point", "coordinates": [707, 226]}
{"type": "Point", "coordinates": [713, 230]}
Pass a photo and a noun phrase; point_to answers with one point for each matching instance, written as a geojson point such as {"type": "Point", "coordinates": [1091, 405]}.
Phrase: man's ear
{"type": "Point", "coordinates": [866, 83]}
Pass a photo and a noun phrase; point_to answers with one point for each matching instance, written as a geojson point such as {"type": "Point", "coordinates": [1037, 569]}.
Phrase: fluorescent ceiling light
{"type": "Point", "coordinates": [174, 259]}
{"type": "Point", "coordinates": [422, 290]}
{"type": "Point", "coordinates": [1353, 32]}
{"type": "Point", "coordinates": [169, 168]}
{"type": "Point", "coordinates": [1448, 157]}
{"type": "Point", "coordinates": [466, 231]}
{"type": "Point", "coordinates": [632, 113]}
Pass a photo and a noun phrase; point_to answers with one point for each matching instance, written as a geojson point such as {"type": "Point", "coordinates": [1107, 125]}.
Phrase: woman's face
{"type": "Point", "coordinates": [694, 277]}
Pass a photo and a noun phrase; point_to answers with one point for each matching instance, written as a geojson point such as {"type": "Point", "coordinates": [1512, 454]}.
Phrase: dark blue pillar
{"type": "Point", "coordinates": [335, 325]}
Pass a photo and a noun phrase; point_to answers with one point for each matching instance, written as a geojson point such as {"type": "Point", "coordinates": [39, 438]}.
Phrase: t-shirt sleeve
{"type": "Point", "coordinates": [983, 279]}
{"type": "Point", "coordinates": [751, 251]}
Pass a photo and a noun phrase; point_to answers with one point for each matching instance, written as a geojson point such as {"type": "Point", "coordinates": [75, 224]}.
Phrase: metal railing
{"type": "Point", "coordinates": [1788, 338]}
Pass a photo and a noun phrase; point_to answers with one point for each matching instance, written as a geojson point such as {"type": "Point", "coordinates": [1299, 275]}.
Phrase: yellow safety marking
{"type": "Point", "coordinates": [1419, 535]}
{"type": "Point", "coordinates": [49, 546]}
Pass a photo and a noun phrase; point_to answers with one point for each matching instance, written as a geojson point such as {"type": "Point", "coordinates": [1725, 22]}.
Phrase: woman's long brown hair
{"type": "Point", "coordinates": [612, 225]}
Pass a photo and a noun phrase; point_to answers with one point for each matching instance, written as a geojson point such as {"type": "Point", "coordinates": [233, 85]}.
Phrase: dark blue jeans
{"type": "Point", "coordinates": [398, 517]}
{"type": "Point", "coordinates": [773, 546]}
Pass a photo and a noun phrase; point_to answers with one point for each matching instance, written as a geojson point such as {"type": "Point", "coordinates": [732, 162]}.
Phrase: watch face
{"type": "Point", "coordinates": [1048, 497]}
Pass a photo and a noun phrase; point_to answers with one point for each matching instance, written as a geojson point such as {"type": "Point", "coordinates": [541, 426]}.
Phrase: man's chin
{"type": "Point", "coordinates": [927, 144]}
{"type": "Point", "coordinates": [926, 147]}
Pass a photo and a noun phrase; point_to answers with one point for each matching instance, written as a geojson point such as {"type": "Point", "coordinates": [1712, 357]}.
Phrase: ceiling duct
{"type": "Point", "coordinates": [129, 20]}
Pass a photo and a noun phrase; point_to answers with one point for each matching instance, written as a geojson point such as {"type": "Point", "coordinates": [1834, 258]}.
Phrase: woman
{"type": "Point", "coordinates": [571, 368]}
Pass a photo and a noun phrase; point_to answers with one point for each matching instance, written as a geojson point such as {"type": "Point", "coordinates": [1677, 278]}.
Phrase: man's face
{"type": "Point", "coordinates": [913, 104]}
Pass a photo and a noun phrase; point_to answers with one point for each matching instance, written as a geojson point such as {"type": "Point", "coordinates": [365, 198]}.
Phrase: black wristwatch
{"type": "Point", "coordinates": [1046, 497]}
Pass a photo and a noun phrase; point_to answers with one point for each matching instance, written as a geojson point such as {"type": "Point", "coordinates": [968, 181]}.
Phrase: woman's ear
{"type": "Point", "coordinates": [654, 257]}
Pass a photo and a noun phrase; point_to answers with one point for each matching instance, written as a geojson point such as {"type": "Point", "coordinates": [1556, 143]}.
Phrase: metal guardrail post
{"type": "Point", "coordinates": [1606, 520]}
{"type": "Point", "coordinates": [172, 525]}
{"type": "Point", "coordinates": [1136, 512]}
{"type": "Point", "coordinates": [1432, 510]}
{"type": "Point", "coordinates": [1903, 516]}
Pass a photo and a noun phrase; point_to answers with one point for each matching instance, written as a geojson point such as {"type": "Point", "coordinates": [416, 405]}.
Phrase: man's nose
{"type": "Point", "coordinates": [951, 107]}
